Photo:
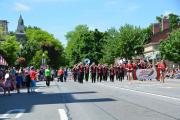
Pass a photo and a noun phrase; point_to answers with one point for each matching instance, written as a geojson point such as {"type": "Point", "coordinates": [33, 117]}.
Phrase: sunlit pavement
{"type": "Point", "coordinates": [134, 100]}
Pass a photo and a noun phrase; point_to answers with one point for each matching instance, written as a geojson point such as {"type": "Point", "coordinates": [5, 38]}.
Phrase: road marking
{"type": "Point", "coordinates": [19, 114]}
{"type": "Point", "coordinates": [62, 114]}
{"type": "Point", "coordinates": [147, 93]}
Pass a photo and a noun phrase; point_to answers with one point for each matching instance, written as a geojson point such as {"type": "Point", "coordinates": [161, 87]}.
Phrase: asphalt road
{"type": "Point", "coordinates": [134, 100]}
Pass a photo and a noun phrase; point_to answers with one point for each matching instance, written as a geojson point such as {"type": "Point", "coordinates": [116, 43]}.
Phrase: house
{"type": "Point", "coordinates": [160, 33]}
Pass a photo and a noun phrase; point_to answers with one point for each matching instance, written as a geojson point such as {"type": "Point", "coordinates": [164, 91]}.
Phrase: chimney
{"type": "Point", "coordinates": [165, 23]}
{"type": "Point", "coordinates": [156, 28]}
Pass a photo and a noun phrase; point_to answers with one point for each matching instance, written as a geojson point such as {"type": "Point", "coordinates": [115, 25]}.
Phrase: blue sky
{"type": "Point", "coordinates": [61, 16]}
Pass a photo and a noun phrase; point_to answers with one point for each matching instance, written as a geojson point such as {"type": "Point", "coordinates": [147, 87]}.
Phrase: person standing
{"type": "Point", "coordinates": [19, 81]}
{"type": "Point", "coordinates": [65, 74]}
{"type": "Point", "coordinates": [60, 74]}
{"type": "Point", "coordinates": [28, 81]}
{"type": "Point", "coordinates": [93, 72]}
{"type": "Point", "coordinates": [105, 72]}
{"type": "Point", "coordinates": [7, 83]}
{"type": "Point", "coordinates": [87, 72]}
{"type": "Point", "coordinates": [121, 72]}
{"type": "Point", "coordinates": [100, 72]}
{"type": "Point", "coordinates": [33, 79]}
{"type": "Point", "coordinates": [48, 75]}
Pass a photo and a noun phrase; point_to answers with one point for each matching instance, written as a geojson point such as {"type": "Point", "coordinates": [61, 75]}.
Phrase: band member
{"type": "Point", "coordinates": [129, 69]}
{"type": "Point", "coordinates": [80, 73]}
{"type": "Point", "coordinates": [158, 71]}
{"type": "Point", "coordinates": [141, 65]}
{"type": "Point", "coordinates": [105, 72]}
{"type": "Point", "coordinates": [100, 72]}
{"type": "Point", "coordinates": [162, 68]}
{"type": "Point", "coordinates": [93, 72]}
{"type": "Point", "coordinates": [112, 73]}
{"type": "Point", "coordinates": [121, 71]}
{"type": "Point", "coordinates": [87, 72]}
{"type": "Point", "coordinates": [134, 71]}
{"type": "Point", "coordinates": [116, 71]}
{"type": "Point", "coordinates": [74, 70]}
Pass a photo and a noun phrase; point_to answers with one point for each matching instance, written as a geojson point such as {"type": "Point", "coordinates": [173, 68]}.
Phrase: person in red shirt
{"type": "Point", "coordinates": [33, 79]}
{"type": "Point", "coordinates": [134, 71]}
{"type": "Point", "coordinates": [93, 72]}
{"type": "Point", "coordinates": [162, 68]}
{"type": "Point", "coordinates": [112, 73]}
{"type": "Point", "coordinates": [60, 74]}
{"type": "Point", "coordinates": [80, 73]}
{"type": "Point", "coordinates": [129, 68]}
{"type": "Point", "coordinates": [87, 72]}
{"type": "Point", "coordinates": [100, 72]}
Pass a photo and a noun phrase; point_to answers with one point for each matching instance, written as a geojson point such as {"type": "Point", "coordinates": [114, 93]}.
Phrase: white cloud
{"type": "Point", "coordinates": [133, 8]}
{"type": "Point", "coordinates": [21, 7]}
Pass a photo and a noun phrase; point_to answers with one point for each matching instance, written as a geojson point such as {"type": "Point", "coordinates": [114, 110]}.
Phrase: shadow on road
{"type": "Point", "coordinates": [27, 101]}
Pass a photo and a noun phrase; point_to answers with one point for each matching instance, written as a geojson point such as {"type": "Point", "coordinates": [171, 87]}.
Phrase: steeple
{"type": "Point", "coordinates": [20, 32]}
{"type": "Point", "coordinates": [20, 27]}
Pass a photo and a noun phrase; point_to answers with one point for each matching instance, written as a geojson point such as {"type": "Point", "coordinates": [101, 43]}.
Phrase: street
{"type": "Point", "coordinates": [136, 100]}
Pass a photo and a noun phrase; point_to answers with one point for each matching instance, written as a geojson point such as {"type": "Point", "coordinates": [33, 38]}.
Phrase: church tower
{"type": "Point", "coordinates": [20, 32]}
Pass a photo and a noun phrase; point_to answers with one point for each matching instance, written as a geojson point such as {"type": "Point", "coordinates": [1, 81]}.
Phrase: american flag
{"type": "Point", "coordinates": [3, 61]}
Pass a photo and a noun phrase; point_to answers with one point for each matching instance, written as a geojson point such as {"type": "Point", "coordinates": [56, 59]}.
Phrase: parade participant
{"type": "Point", "coordinates": [105, 72]}
{"type": "Point", "coordinates": [60, 74]}
{"type": "Point", "coordinates": [33, 79]}
{"type": "Point", "coordinates": [162, 68]}
{"type": "Point", "coordinates": [93, 72]}
{"type": "Point", "coordinates": [121, 72]}
{"type": "Point", "coordinates": [116, 70]}
{"type": "Point", "coordinates": [87, 72]}
{"type": "Point", "coordinates": [141, 64]}
{"type": "Point", "coordinates": [129, 69]}
{"type": "Point", "coordinates": [134, 71]}
{"type": "Point", "coordinates": [158, 71]}
{"type": "Point", "coordinates": [149, 65]}
{"type": "Point", "coordinates": [80, 73]}
{"type": "Point", "coordinates": [112, 73]}
{"type": "Point", "coordinates": [100, 72]}
{"type": "Point", "coordinates": [47, 75]}
{"type": "Point", "coordinates": [74, 70]}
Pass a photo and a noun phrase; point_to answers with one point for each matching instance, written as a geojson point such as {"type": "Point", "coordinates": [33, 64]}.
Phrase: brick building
{"type": "Point", "coordinates": [160, 33]}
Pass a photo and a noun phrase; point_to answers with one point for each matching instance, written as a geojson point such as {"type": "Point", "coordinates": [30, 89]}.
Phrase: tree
{"type": "Point", "coordinates": [40, 41]}
{"type": "Point", "coordinates": [84, 43]}
{"type": "Point", "coordinates": [10, 48]}
{"type": "Point", "coordinates": [170, 49]}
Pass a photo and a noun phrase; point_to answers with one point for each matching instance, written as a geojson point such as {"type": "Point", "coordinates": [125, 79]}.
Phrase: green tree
{"type": "Point", "coordinates": [41, 40]}
{"type": "Point", "coordinates": [170, 49]}
{"type": "Point", "coordinates": [10, 48]}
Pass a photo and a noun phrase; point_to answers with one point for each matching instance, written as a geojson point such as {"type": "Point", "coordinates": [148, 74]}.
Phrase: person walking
{"type": "Point", "coordinates": [162, 68]}
{"type": "Point", "coordinates": [74, 70]}
{"type": "Point", "coordinates": [112, 73]}
{"type": "Point", "coordinates": [129, 69]}
{"type": "Point", "coordinates": [100, 72]}
{"type": "Point", "coordinates": [93, 72]}
{"type": "Point", "coordinates": [47, 75]}
{"type": "Point", "coordinates": [87, 72]}
{"type": "Point", "coordinates": [80, 73]}
{"type": "Point", "coordinates": [19, 81]}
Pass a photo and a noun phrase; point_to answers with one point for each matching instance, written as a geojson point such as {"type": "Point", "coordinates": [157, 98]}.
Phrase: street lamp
{"type": "Point", "coordinates": [43, 59]}
{"type": "Point", "coordinates": [21, 47]}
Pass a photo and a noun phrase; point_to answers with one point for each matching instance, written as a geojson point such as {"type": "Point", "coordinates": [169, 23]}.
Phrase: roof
{"type": "Point", "coordinates": [160, 36]}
